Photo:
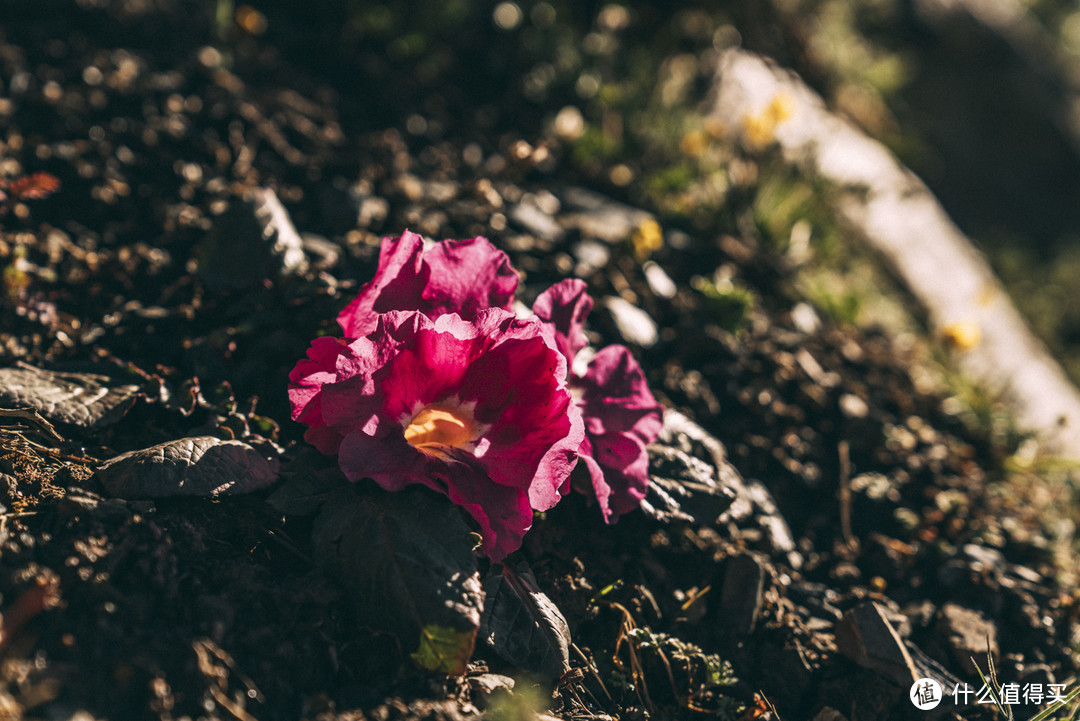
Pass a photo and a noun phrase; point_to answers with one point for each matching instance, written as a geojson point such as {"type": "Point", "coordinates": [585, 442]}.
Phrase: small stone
{"type": "Point", "coordinates": [866, 637]}
{"type": "Point", "coordinates": [440, 192]}
{"type": "Point", "coordinates": [852, 406]}
{"type": "Point", "coordinates": [591, 256]}
{"type": "Point", "coordinates": [634, 325]}
{"type": "Point", "coordinates": [536, 221]}
{"type": "Point", "coordinates": [600, 217]}
{"type": "Point", "coordinates": [983, 558]}
{"type": "Point", "coordinates": [411, 187]}
{"type": "Point", "coordinates": [253, 239]}
{"type": "Point", "coordinates": [1026, 574]}
{"type": "Point", "coordinates": [741, 596]}
{"type": "Point", "coordinates": [324, 254]}
{"type": "Point", "coordinates": [659, 281]}
{"type": "Point", "coordinates": [486, 685]}
{"type": "Point", "coordinates": [805, 318]}
{"type": "Point", "coordinates": [372, 212]}
{"type": "Point", "coordinates": [970, 635]}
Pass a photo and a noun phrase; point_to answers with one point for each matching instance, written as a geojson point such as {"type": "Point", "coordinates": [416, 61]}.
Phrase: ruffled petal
{"type": "Point", "coordinates": [397, 285]}
{"type": "Point", "coordinates": [307, 380]}
{"type": "Point", "coordinates": [564, 306]}
{"type": "Point", "coordinates": [538, 428]}
{"type": "Point", "coordinates": [389, 461]}
{"type": "Point", "coordinates": [467, 276]}
{"type": "Point", "coordinates": [624, 463]}
{"type": "Point", "coordinates": [621, 418]}
{"type": "Point", "coordinates": [616, 397]}
{"type": "Point", "coordinates": [453, 276]}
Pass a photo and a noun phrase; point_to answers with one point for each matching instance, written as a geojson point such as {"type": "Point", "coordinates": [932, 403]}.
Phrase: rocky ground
{"type": "Point", "coordinates": [822, 529]}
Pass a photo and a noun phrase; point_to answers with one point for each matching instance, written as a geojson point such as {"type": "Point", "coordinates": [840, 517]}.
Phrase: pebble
{"type": "Point", "coordinates": [805, 318]}
{"type": "Point", "coordinates": [852, 406]}
{"type": "Point", "coordinates": [634, 325]}
{"type": "Point", "coordinates": [600, 217]}
{"type": "Point", "coordinates": [970, 636]}
{"type": "Point", "coordinates": [536, 221]}
{"type": "Point", "coordinates": [591, 256]}
{"type": "Point", "coordinates": [659, 281]}
{"type": "Point", "coordinates": [742, 594]}
{"type": "Point", "coordinates": [485, 685]}
{"type": "Point", "coordinates": [866, 637]}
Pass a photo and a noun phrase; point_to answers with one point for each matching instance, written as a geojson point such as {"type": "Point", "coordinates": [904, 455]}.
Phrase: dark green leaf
{"type": "Point", "coordinates": [408, 559]}
{"type": "Point", "coordinates": [523, 626]}
{"type": "Point", "coordinates": [306, 482]}
{"type": "Point", "coordinates": [197, 466]}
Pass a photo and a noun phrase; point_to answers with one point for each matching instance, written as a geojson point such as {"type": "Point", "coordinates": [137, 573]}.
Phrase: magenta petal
{"type": "Point", "coordinates": [616, 397]}
{"type": "Point", "coordinates": [538, 430]}
{"type": "Point", "coordinates": [621, 418]}
{"type": "Point", "coordinates": [308, 379]}
{"type": "Point", "coordinates": [397, 285]}
{"type": "Point", "coordinates": [390, 462]}
{"type": "Point", "coordinates": [467, 276]}
{"type": "Point", "coordinates": [625, 464]}
{"type": "Point", "coordinates": [454, 276]}
{"type": "Point", "coordinates": [309, 375]}
{"type": "Point", "coordinates": [600, 486]}
{"type": "Point", "coordinates": [565, 306]}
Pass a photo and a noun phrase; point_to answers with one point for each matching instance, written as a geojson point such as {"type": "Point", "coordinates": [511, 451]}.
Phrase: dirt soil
{"type": "Point", "coordinates": [871, 538]}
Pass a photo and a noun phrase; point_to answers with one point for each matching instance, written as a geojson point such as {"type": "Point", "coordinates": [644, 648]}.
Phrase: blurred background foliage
{"type": "Point", "coordinates": [978, 98]}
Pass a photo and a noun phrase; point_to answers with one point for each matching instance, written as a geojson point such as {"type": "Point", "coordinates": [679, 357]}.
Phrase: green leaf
{"type": "Point", "coordinates": [523, 626]}
{"type": "Point", "coordinates": [306, 482]}
{"type": "Point", "coordinates": [444, 649]}
{"type": "Point", "coordinates": [407, 559]}
{"type": "Point", "coordinates": [1057, 706]}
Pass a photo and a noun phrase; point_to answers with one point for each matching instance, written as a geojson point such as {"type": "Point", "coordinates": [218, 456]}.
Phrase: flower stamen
{"type": "Point", "coordinates": [434, 427]}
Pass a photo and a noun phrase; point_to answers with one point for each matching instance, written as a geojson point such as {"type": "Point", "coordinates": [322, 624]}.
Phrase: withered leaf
{"type": "Point", "coordinates": [407, 557]}
{"type": "Point", "coordinates": [196, 466]}
{"type": "Point", "coordinates": [523, 626]}
{"type": "Point", "coordinates": [34, 186]}
{"type": "Point", "coordinates": [85, 400]}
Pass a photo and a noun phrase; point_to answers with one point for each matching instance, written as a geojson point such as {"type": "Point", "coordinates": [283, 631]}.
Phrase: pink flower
{"type": "Point", "coordinates": [453, 276]}
{"type": "Point", "coordinates": [477, 410]}
{"type": "Point", "coordinates": [621, 415]}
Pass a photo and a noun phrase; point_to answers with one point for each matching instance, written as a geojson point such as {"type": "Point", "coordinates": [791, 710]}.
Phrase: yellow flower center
{"type": "Point", "coordinates": [434, 427]}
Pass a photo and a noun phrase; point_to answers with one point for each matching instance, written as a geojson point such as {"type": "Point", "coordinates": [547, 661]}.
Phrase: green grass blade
{"type": "Point", "coordinates": [1054, 707]}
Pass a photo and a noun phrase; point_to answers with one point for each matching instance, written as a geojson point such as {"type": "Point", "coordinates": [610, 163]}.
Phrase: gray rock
{"type": "Point", "coordinates": [597, 216]}
{"type": "Point", "coordinates": [828, 713]}
{"type": "Point", "coordinates": [253, 239]}
{"type": "Point", "coordinates": [591, 256]}
{"type": "Point", "coordinates": [969, 635]}
{"type": "Point", "coordinates": [691, 479]}
{"type": "Point", "coordinates": [865, 636]}
{"type": "Point", "coordinates": [536, 221]}
{"type": "Point", "coordinates": [486, 685]}
{"type": "Point", "coordinates": [742, 594]}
